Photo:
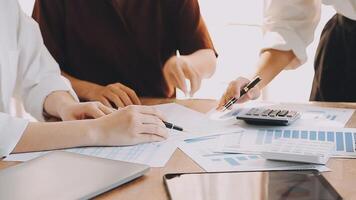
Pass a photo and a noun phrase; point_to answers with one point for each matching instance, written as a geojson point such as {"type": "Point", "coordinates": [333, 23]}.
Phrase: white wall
{"type": "Point", "coordinates": [234, 26]}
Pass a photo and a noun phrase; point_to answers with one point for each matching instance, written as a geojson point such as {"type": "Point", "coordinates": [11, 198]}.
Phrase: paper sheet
{"type": "Point", "coordinates": [311, 116]}
{"type": "Point", "coordinates": [202, 151]}
{"type": "Point", "coordinates": [153, 154]}
{"type": "Point", "coordinates": [254, 140]}
{"type": "Point", "coordinates": [315, 116]}
{"type": "Point", "coordinates": [195, 122]}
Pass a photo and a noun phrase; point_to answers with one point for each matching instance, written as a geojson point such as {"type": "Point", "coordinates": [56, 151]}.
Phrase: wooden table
{"type": "Point", "coordinates": [342, 177]}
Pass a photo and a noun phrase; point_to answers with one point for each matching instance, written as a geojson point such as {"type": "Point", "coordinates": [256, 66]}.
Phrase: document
{"type": "Point", "coordinates": [254, 140]}
{"type": "Point", "coordinates": [202, 151]}
{"type": "Point", "coordinates": [196, 123]}
{"type": "Point", "coordinates": [311, 116]}
{"type": "Point", "coordinates": [154, 154]}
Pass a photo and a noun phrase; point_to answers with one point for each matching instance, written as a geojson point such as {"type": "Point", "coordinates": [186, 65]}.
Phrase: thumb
{"type": "Point", "coordinates": [254, 93]}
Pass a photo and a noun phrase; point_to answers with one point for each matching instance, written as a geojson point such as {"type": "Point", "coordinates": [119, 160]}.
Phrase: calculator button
{"type": "Point", "coordinates": [291, 114]}
{"type": "Point", "coordinates": [274, 113]}
{"type": "Point", "coordinates": [283, 113]}
{"type": "Point", "coordinates": [251, 111]}
{"type": "Point", "coordinates": [266, 112]}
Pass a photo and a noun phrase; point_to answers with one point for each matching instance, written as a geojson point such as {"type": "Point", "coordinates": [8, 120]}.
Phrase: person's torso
{"type": "Point", "coordinates": [9, 52]}
{"type": "Point", "coordinates": [124, 41]}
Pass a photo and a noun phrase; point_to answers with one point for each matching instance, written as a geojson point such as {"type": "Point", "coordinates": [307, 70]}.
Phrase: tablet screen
{"type": "Point", "coordinates": [276, 185]}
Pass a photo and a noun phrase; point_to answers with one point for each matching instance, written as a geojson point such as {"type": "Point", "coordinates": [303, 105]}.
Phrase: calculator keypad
{"type": "Point", "coordinates": [269, 116]}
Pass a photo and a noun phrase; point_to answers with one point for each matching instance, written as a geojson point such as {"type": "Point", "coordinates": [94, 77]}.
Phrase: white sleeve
{"type": "Point", "coordinates": [39, 72]}
{"type": "Point", "coordinates": [290, 25]}
{"type": "Point", "coordinates": [11, 130]}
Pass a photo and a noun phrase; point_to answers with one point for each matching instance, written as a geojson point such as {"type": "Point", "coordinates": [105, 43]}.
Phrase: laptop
{"type": "Point", "coordinates": [64, 175]}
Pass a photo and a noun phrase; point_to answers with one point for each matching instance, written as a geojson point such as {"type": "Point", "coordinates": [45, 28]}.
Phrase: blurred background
{"type": "Point", "coordinates": [235, 26]}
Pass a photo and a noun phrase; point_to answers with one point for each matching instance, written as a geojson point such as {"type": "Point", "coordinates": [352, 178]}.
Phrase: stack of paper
{"type": "Point", "coordinates": [203, 151]}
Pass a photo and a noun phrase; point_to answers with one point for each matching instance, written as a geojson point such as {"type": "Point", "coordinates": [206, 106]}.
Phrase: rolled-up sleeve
{"type": "Point", "coordinates": [11, 130]}
{"type": "Point", "coordinates": [290, 25]}
{"type": "Point", "coordinates": [39, 72]}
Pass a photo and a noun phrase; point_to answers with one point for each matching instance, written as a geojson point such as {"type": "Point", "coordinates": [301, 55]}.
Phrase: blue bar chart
{"type": "Point", "coordinates": [344, 140]}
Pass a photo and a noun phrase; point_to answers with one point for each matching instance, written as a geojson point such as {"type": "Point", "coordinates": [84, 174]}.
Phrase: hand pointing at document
{"type": "Point", "coordinates": [194, 67]}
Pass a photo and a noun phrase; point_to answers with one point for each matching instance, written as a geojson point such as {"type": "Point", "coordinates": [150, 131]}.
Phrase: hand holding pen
{"type": "Point", "coordinates": [240, 90]}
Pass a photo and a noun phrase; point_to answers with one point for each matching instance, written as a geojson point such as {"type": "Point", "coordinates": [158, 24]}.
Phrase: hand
{"type": "Point", "coordinates": [113, 95]}
{"type": "Point", "coordinates": [78, 111]}
{"type": "Point", "coordinates": [234, 91]}
{"type": "Point", "coordinates": [131, 125]}
{"type": "Point", "coordinates": [176, 70]}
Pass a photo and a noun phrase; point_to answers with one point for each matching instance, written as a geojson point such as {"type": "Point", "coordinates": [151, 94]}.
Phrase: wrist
{"type": "Point", "coordinates": [86, 90]}
{"type": "Point", "coordinates": [56, 101]}
{"type": "Point", "coordinates": [93, 131]}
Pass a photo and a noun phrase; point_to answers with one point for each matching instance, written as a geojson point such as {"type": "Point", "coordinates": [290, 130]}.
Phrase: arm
{"type": "Point", "coordinates": [198, 60]}
{"type": "Point", "coordinates": [288, 28]}
{"type": "Point", "coordinates": [128, 126]}
{"type": "Point", "coordinates": [271, 63]}
{"type": "Point", "coordinates": [40, 136]}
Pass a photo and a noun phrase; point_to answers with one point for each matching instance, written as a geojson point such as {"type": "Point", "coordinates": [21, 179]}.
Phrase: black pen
{"type": "Point", "coordinates": [247, 88]}
{"type": "Point", "coordinates": [172, 126]}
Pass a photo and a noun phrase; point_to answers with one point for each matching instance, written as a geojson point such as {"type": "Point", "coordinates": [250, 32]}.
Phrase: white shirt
{"type": "Point", "coordinates": [27, 71]}
{"type": "Point", "coordinates": [290, 24]}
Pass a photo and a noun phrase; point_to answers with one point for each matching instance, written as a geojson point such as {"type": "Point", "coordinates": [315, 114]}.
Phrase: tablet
{"type": "Point", "coordinates": [64, 175]}
{"type": "Point", "coordinates": [272, 185]}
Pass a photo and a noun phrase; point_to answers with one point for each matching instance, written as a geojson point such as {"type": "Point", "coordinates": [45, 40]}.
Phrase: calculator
{"type": "Point", "coordinates": [299, 150]}
{"type": "Point", "coordinates": [268, 116]}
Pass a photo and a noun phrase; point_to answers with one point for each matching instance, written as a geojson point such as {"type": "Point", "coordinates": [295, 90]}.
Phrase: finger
{"type": "Point", "coordinates": [94, 113]}
{"type": "Point", "coordinates": [104, 101]}
{"type": "Point", "coordinates": [223, 101]}
{"type": "Point", "coordinates": [143, 138]}
{"type": "Point", "coordinates": [115, 99]}
{"type": "Point", "coordinates": [180, 80]}
{"type": "Point", "coordinates": [71, 118]}
{"type": "Point", "coordinates": [194, 79]}
{"type": "Point", "coordinates": [171, 85]}
{"type": "Point", "coordinates": [254, 93]}
{"type": "Point", "coordinates": [152, 129]}
{"type": "Point", "coordinates": [105, 109]}
{"type": "Point", "coordinates": [147, 110]}
{"type": "Point", "coordinates": [171, 81]}
{"type": "Point", "coordinates": [122, 95]}
{"type": "Point", "coordinates": [132, 94]}
{"type": "Point", "coordinates": [150, 119]}
{"type": "Point", "coordinates": [251, 95]}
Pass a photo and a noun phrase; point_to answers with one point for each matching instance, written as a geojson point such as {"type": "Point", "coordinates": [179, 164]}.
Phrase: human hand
{"type": "Point", "coordinates": [78, 111]}
{"type": "Point", "coordinates": [130, 125]}
{"type": "Point", "coordinates": [176, 70]}
{"type": "Point", "coordinates": [114, 95]}
{"type": "Point", "coordinates": [234, 91]}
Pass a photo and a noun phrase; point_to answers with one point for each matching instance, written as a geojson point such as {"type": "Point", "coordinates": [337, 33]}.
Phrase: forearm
{"type": "Point", "coordinates": [204, 62]}
{"type": "Point", "coordinates": [40, 136]}
{"type": "Point", "coordinates": [82, 88]}
{"type": "Point", "coordinates": [271, 63]}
